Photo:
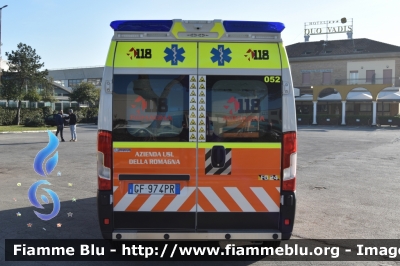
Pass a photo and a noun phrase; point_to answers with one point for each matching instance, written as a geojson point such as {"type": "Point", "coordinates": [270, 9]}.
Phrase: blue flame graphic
{"type": "Point", "coordinates": [32, 198]}
{"type": "Point", "coordinates": [44, 153]}
{"type": "Point", "coordinates": [39, 169]}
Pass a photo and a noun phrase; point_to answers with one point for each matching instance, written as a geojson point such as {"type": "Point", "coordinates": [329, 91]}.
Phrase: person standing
{"type": "Point", "coordinates": [60, 124]}
{"type": "Point", "coordinates": [72, 124]}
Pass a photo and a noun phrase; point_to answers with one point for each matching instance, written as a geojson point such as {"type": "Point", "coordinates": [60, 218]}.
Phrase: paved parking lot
{"type": "Point", "coordinates": [348, 184]}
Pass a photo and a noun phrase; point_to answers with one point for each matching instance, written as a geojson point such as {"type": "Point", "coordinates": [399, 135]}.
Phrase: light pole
{"type": "Point", "coordinates": [0, 32]}
{"type": "Point", "coordinates": [1, 58]}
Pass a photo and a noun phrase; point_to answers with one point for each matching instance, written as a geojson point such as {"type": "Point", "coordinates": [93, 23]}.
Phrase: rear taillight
{"type": "Point", "coordinates": [289, 161]}
{"type": "Point", "coordinates": [104, 149]}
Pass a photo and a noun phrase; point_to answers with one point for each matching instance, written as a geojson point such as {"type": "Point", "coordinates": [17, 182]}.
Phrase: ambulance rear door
{"type": "Point", "coordinates": [239, 138]}
{"type": "Point", "coordinates": [154, 163]}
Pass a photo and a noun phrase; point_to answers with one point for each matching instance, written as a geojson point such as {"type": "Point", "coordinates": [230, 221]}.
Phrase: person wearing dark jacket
{"type": "Point", "coordinates": [72, 125]}
{"type": "Point", "coordinates": [60, 124]}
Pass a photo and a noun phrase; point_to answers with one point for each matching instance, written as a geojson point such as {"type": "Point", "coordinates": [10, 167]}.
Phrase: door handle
{"type": "Point", "coordinates": [218, 155]}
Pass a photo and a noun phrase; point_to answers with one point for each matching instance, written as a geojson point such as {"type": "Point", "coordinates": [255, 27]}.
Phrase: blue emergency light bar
{"type": "Point", "coordinates": [142, 25]}
{"type": "Point", "coordinates": [253, 26]}
{"type": "Point", "coordinates": [165, 26]}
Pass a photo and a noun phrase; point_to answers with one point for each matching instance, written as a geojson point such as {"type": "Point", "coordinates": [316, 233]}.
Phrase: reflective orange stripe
{"type": "Point", "coordinates": [189, 203]}
{"type": "Point", "coordinates": [204, 203]}
{"type": "Point", "coordinates": [251, 197]}
{"type": "Point", "coordinates": [227, 199]}
{"type": "Point", "coordinates": [138, 202]}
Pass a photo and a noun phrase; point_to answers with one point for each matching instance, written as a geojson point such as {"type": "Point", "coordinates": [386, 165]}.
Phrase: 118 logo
{"type": "Point", "coordinates": [139, 53]}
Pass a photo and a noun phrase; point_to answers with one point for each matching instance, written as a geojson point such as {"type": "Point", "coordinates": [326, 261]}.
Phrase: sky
{"type": "Point", "coordinates": [77, 33]}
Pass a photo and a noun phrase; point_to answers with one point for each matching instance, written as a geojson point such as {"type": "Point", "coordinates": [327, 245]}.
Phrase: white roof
{"type": "Point", "coordinates": [388, 94]}
{"type": "Point", "coordinates": [304, 97]}
{"type": "Point", "coordinates": [331, 97]}
{"type": "Point", "coordinates": [359, 96]}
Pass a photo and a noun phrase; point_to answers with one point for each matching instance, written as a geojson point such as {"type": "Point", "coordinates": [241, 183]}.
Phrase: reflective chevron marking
{"type": "Point", "coordinates": [240, 199]}
{"type": "Point", "coordinates": [220, 204]}
{"type": "Point", "coordinates": [265, 199]}
{"type": "Point", "coordinates": [199, 209]}
{"type": "Point", "coordinates": [226, 170]}
{"type": "Point", "coordinates": [180, 199]}
{"type": "Point", "coordinates": [215, 201]}
{"type": "Point", "coordinates": [126, 200]}
{"type": "Point", "coordinates": [150, 202]}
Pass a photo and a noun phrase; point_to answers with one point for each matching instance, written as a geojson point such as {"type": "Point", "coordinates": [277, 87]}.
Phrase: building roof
{"type": "Point", "coordinates": [76, 73]}
{"type": "Point", "coordinates": [339, 47]}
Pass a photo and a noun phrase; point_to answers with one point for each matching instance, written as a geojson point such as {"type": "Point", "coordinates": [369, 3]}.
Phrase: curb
{"type": "Point", "coordinates": [38, 131]}
{"type": "Point", "coordinates": [29, 131]}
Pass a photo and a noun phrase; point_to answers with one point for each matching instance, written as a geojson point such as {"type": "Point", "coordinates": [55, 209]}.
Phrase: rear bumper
{"type": "Point", "coordinates": [210, 226]}
{"type": "Point", "coordinates": [216, 235]}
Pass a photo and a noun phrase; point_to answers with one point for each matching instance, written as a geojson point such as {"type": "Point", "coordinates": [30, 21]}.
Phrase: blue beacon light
{"type": "Point", "coordinates": [253, 26]}
{"type": "Point", "coordinates": [166, 25]}
{"type": "Point", "coordinates": [142, 25]}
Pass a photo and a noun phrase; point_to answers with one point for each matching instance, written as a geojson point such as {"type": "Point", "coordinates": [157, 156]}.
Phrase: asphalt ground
{"type": "Point", "coordinates": [347, 188]}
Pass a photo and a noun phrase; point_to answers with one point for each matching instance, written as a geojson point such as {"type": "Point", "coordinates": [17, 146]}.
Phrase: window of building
{"type": "Point", "coordinates": [349, 107]}
{"type": "Point", "coordinates": [383, 107]}
{"type": "Point", "coordinates": [353, 77]}
{"type": "Point", "coordinates": [326, 78]}
{"type": "Point", "coordinates": [306, 78]}
{"type": "Point", "coordinates": [387, 76]}
{"type": "Point", "coordinates": [322, 108]}
{"type": "Point", "coordinates": [60, 82]}
{"type": "Point", "coordinates": [75, 105]}
{"type": "Point", "coordinates": [370, 76]}
{"type": "Point", "coordinates": [74, 82]}
{"type": "Point", "coordinates": [366, 107]}
{"type": "Point", "coordinates": [95, 82]}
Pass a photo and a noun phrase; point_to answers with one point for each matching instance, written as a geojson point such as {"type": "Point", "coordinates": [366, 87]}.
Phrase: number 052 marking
{"type": "Point", "coordinates": [272, 79]}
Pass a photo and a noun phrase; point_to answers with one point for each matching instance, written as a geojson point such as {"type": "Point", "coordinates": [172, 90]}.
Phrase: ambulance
{"type": "Point", "coordinates": [197, 132]}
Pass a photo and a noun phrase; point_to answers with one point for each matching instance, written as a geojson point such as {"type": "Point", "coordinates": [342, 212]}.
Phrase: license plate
{"type": "Point", "coordinates": [154, 189]}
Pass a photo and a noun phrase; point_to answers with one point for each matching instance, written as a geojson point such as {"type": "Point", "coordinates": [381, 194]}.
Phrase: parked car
{"type": "Point", "coordinates": [49, 120]}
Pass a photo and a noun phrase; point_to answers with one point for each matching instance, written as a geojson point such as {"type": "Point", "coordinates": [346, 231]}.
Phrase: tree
{"type": "Point", "coordinates": [47, 92]}
{"type": "Point", "coordinates": [8, 88]}
{"type": "Point", "coordinates": [85, 92]}
{"type": "Point", "coordinates": [22, 75]}
{"type": "Point", "coordinates": [32, 95]}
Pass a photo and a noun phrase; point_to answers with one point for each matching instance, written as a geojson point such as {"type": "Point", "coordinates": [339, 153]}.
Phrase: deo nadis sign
{"type": "Point", "coordinates": [328, 27]}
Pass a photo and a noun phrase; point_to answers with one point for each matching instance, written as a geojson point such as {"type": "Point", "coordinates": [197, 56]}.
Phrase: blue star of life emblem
{"type": "Point", "coordinates": [174, 54]}
{"type": "Point", "coordinates": [221, 55]}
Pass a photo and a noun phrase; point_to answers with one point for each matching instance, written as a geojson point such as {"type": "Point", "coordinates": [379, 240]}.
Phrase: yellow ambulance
{"type": "Point", "coordinates": [197, 132]}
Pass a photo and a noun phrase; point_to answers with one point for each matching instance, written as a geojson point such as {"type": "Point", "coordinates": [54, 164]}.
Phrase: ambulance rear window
{"type": "Point", "coordinates": [150, 107]}
{"type": "Point", "coordinates": [244, 108]}
{"type": "Point", "coordinates": [156, 108]}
